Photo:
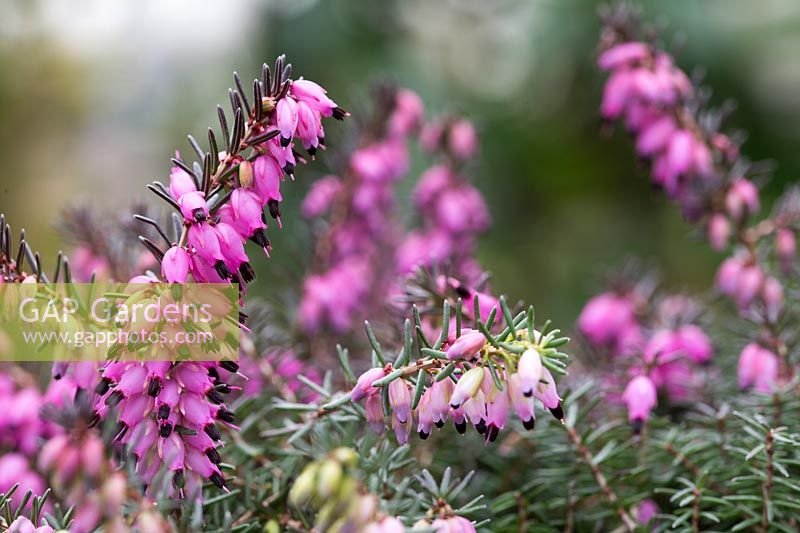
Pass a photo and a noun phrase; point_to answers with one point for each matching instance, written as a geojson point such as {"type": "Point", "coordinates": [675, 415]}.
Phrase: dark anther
{"type": "Point", "coordinates": [103, 386]}
{"type": "Point", "coordinates": [212, 432]}
{"type": "Point", "coordinates": [122, 428]}
{"type": "Point", "coordinates": [558, 412]}
{"type": "Point", "coordinates": [165, 430]}
{"type": "Point", "coordinates": [285, 141]}
{"type": "Point", "coordinates": [215, 397]}
{"type": "Point", "coordinates": [461, 427]}
{"type": "Point", "coordinates": [339, 113]}
{"type": "Point", "coordinates": [222, 270]}
{"type": "Point", "coordinates": [154, 387]}
{"type": "Point", "coordinates": [480, 427]}
{"type": "Point", "coordinates": [178, 479]}
{"type": "Point", "coordinates": [491, 433]}
{"type": "Point", "coordinates": [217, 479]}
{"type": "Point", "coordinates": [213, 456]}
{"type": "Point", "coordinates": [439, 424]}
{"type": "Point", "coordinates": [114, 398]}
{"type": "Point", "coordinates": [163, 412]}
{"type": "Point", "coordinates": [274, 208]}
{"type": "Point", "coordinates": [637, 425]}
{"type": "Point", "coordinates": [247, 272]}
{"type": "Point", "coordinates": [260, 238]}
{"type": "Point", "coordinates": [225, 416]}
{"type": "Point", "coordinates": [230, 366]}
{"type": "Point", "coordinates": [423, 435]}
{"type": "Point", "coordinates": [529, 424]}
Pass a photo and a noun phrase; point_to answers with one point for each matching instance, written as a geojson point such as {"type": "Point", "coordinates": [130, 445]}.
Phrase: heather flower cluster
{"type": "Point", "coordinates": [222, 202]}
{"type": "Point", "coordinates": [452, 211]}
{"type": "Point", "coordinates": [700, 168]}
{"type": "Point", "coordinates": [360, 208]}
{"type": "Point", "coordinates": [656, 341]}
{"type": "Point", "coordinates": [471, 376]}
{"type": "Point", "coordinates": [168, 414]}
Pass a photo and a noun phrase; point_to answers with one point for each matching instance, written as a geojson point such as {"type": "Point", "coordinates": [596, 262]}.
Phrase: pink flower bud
{"type": "Point", "coordinates": [719, 231]}
{"type": "Point", "coordinates": [467, 346]}
{"type": "Point", "coordinates": [193, 206]}
{"type": "Point", "coordinates": [467, 386]}
{"type": "Point", "coordinates": [547, 394]}
{"type": "Point", "coordinates": [374, 413]}
{"type": "Point", "coordinates": [750, 282]}
{"type": "Point", "coordinates": [267, 175]}
{"type": "Point", "coordinates": [757, 368]}
{"type": "Point", "coordinates": [679, 152]}
{"type": "Point", "coordinates": [441, 394]}
{"type": "Point", "coordinates": [402, 430]}
{"type": "Point", "coordinates": [786, 248]}
{"type": "Point", "coordinates": [623, 55]}
{"type": "Point", "coordinates": [742, 199]}
{"type": "Point", "coordinates": [400, 399]}
{"type": "Point", "coordinates": [320, 196]}
{"type": "Point", "coordinates": [772, 294]}
{"type": "Point", "coordinates": [314, 96]}
{"type": "Point", "coordinates": [646, 510]}
{"type": "Point", "coordinates": [462, 139]}
{"type": "Point", "coordinates": [175, 265]}
{"type": "Point", "coordinates": [286, 117]}
{"type": "Point", "coordinates": [180, 183]}
{"type": "Point", "coordinates": [425, 415]}
{"type": "Point", "coordinates": [640, 397]}
{"type": "Point", "coordinates": [522, 404]}
{"type": "Point", "coordinates": [308, 127]}
{"type": "Point", "coordinates": [655, 136]}
{"type": "Point", "coordinates": [364, 386]}
{"type": "Point", "coordinates": [496, 414]}
{"type": "Point", "coordinates": [530, 371]}
{"type": "Point", "coordinates": [408, 113]}
{"type": "Point", "coordinates": [695, 344]}
{"type": "Point", "coordinates": [728, 275]}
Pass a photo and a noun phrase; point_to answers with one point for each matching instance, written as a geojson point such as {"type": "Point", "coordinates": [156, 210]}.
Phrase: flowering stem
{"type": "Point", "coordinates": [600, 479]}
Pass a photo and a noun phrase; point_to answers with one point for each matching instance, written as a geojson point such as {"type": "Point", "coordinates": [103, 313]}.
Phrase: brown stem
{"type": "Point", "coordinates": [600, 479]}
{"type": "Point", "coordinates": [696, 511]}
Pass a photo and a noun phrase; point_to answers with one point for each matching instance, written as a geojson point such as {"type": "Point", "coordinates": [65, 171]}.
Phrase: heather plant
{"type": "Point", "coordinates": [352, 404]}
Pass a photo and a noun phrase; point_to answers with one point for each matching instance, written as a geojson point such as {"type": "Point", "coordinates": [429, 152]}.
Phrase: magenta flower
{"type": "Point", "coordinates": [523, 404]}
{"type": "Point", "coordinates": [180, 183]}
{"type": "Point", "coordinates": [193, 206]}
{"type": "Point", "coordinates": [640, 397]}
{"type": "Point", "coordinates": [529, 370]}
{"type": "Point", "coordinates": [363, 387]}
{"type": "Point", "coordinates": [320, 196]}
{"type": "Point", "coordinates": [286, 114]}
{"type": "Point", "coordinates": [175, 265]}
{"type": "Point", "coordinates": [758, 368]}
{"type": "Point", "coordinates": [315, 97]}
{"type": "Point", "coordinates": [742, 199]}
{"type": "Point", "coordinates": [467, 346]}
{"type": "Point", "coordinates": [462, 139]}
{"type": "Point", "coordinates": [605, 319]}
{"type": "Point", "coordinates": [719, 231]}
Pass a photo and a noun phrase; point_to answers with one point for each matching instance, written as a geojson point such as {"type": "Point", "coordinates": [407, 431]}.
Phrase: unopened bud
{"type": "Point", "coordinates": [329, 477]}
{"type": "Point", "coordinates": [246, 174]}
{"type": "Point", "coordinates": [302, 491]}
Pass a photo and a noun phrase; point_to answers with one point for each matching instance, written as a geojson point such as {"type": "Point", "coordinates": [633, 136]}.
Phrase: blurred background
{"type": "Point", "coordinates": [95, 96]}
